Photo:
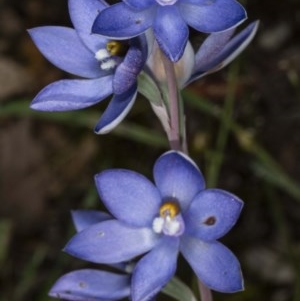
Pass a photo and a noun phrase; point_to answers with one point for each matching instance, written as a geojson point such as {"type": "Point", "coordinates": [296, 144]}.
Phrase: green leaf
{"type": "Point", "coordinates": [148, 88]}
{"type": "Point", "coordinates": [179, 290]}
{"type": "Point", "coordinates": [85, 119]}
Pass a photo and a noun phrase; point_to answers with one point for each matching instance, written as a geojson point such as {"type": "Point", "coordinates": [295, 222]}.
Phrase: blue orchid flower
{"type": "Point", "coordinates": [177, 214]}
{"type": "Point", "coordinates": [107, 67]}
{"type": "Point", "coordinates": [169, 20]}
{"type": "Point", "coordinates": [216, 52]}
{"type": "Point", "coordinates": [92, 284]}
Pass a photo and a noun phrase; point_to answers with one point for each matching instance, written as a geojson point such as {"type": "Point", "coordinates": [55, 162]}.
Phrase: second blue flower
{"type": "Point", "coordinates": [177, 214]}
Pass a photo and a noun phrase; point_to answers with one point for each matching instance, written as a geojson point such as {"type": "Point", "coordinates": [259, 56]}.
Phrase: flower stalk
{"type": "Point", "coordinates": [205, 292]}
{"type": "Point", "coordinates": [174, 136]}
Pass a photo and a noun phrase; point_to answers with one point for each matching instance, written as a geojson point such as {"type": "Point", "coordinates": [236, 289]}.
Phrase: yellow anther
{"type": "Point", "coordinates": [170, 209]}
{"type": "Point", "coordinates": [116, 48]}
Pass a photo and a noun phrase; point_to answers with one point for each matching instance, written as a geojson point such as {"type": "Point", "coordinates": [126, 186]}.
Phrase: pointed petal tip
{"type": "Point", "coordinates": [238, 287]}
{"type": "Point", "coordinates": [175, 57]}
{"type": "Point", "coordinates": [102, 131]}
{"type": "Point", "coordinates": [254, 25]}
{"type": "Point", "coordinates": [169, 23]}
{"type": "Point", "coordinates": [29, 30]}
{"type": "Point", "coordinates": [38, 106]}
{"type": "Point", "coordinates": [116, 111]}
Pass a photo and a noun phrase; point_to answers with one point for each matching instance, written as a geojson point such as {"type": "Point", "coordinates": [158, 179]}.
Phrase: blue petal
{"type": "Point", "coordinates": [83, 13]}
{"type": "Point", "coordinates": [214, 264]}
{"type": "Point", "coordinates": [121, 21]}
{"type": "Point", "coordinates": [90, 285]}
{"type": "Point", "coordinates": [171, 31]}
{"type": "Point", "coordinates": [154, 270]}
{"type": "Point", "coordinates": [85, 218]}
{"type": "Point", "coordinates": [72, 94]}
{"type": "Point", "coordinates": [129, 196]}
{"type": "Point", "coordinates": [64, 49]}
{"type": "Point", "coordinates": [177, 176]}
{"type": "Point", "coordinates": [212, 16]}
{"type": "Point", "coordinates": [138, 4]}
{"type": "Point", "coordinates": [126, 74]}
{"type": "Point", "coordinates": [116, 111]}
{"type": "Point", "coordinates": [235, 46]}
{"type": "Point", "coordinates": [212, 213]}
{"type": "Point", "coordinates": [111, 242]}
{"type": "Point", "coordinates": [211, 47]}
{"type": "Point", "coordinates": [222, 54]}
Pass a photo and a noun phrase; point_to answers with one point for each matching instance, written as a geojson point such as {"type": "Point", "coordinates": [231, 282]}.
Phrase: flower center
{"type": "Point", "coordinates": [166, 2]}
{"type": "Point", "coordinates": [111, 56]}
{"type": "Point", "coordinates": [170, 221]}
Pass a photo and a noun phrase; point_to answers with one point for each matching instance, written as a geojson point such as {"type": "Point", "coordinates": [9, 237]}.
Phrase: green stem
{"type": "Point", "coordinates": [85, 119]}
{"type": "Point", "coordinates": [226, 117]}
